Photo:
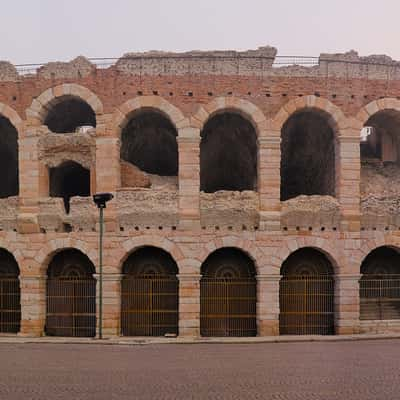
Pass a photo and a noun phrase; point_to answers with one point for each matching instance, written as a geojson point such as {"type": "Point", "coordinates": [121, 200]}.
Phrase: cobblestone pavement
{"type": "Point", "coordinates": [325, 370]}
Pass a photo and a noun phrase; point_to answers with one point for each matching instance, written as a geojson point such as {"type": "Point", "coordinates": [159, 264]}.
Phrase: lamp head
{"type": "Point", "coordinates": [101, 199]}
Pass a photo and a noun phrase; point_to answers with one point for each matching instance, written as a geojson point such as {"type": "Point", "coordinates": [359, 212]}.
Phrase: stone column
{"type": "Point", "coordinates": [108, 175]}
{"type": "Point", "coordinates": [33, 305]}
{"type": "Point", "coordinates": [268, 305]}
{"type": "Point", "coordinates": [269, 178]}
{"type": "Point", "coordinates": [348, 179]}
{"type": "Point", "coordinates": [189, 305]}
{"type": "Point", "coordinates": [189, 178]}
{"type": "Point", "coordinates": [347, 304]}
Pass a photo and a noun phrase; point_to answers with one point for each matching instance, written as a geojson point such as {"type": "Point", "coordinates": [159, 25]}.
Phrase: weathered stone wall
{"type": "Point", "coordinates": [147, 208]}
{"type": "Point", "coordinates": [305, 212]}
{"type": "Point", "coordinates": [380, 195]}
{"type": "Point", "coordinates": [226, 209]}
{"type": "Point", "coordinates": [171, 212]}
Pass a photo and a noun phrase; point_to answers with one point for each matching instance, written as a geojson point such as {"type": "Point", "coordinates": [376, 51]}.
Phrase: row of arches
{"type": "Point", "coordinates": [229, 143]}
{"type": "Point", "coordinates": [228, 293]}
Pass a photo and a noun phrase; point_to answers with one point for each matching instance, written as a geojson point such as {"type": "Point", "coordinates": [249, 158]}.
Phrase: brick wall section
{"type": "Point", "coordinates": [265, 95]}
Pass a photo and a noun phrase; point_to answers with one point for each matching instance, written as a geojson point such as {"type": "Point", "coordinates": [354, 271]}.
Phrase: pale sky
{"type": "Point", "coordinates": [35, 31]}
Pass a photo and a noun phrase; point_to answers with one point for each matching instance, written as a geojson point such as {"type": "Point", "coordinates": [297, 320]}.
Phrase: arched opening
{"type": "Point", "coordinates": [68, 180]}
{"type": "Point", "coordinates": [68, 114]}
{"type": "Point", "coordinates": [149, 142]}
{"type": "Point", "coordinates": [380, 163]}
{"type": "Point", "coordinates": [306, 294]}
{"type": "Point", "coordinates": [228, 294]}
{"type": "Point", "coordinates": [9, 185]}
{"type": "Point", "coordinates": [380, 285]}
{"type": "Point", "coordinates": [228, 154]}
{"type": "Point", "coordinates": [71, 295]}
{"type": "Point", "coordinates": [308, 155]}
{"type": "Point", "coordinates": [10, 298]}
{"type": "Point", "coordinates": [149, 294]}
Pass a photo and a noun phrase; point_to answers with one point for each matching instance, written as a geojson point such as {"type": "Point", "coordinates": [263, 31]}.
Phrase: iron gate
{"type": "Point", "coordinates": [306, 305]}
{"type": "Point", "coordinates": [228, 307]}
{"type": "Point", "coordinates": [379, 297]}
{"type": "Point", "coordinates": [149, 305]}
{"type": "Point", "coordinates": [10, 305]}
{"type": "Point", "coordinates": [71, 307]}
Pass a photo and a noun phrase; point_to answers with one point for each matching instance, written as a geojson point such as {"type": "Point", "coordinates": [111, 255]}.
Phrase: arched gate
{"type": "Point", "coordinates": [306, 294]}
{"type": "Point", "coordinates": [71, 296]}
{"type": "Point", "coordinates": [149, 294]}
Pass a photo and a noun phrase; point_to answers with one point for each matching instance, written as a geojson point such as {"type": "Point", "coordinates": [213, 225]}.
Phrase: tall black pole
{"type": "Point", "coordinates": [101, 275]}
{"type": "Point", "coordinates": [100, 200]}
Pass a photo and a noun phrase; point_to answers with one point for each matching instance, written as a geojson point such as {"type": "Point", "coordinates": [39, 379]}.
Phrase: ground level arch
{"type": "Point", "coordinates": [306, 294]}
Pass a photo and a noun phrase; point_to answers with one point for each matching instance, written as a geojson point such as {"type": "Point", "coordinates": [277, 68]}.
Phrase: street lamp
{"type": "Point", "coordinates": [100, 200]}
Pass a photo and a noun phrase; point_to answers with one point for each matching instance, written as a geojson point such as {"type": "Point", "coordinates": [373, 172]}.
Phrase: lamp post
{"type": "Point", "coordinates": [100, 200]}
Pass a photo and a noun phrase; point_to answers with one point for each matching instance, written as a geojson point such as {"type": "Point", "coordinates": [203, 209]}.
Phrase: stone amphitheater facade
{"type": "Point", "coordinates": [265, 193]}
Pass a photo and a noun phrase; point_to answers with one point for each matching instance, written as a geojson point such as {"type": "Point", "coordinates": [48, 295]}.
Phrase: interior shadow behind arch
{"type": "Point", "coordinates": [228, 154]}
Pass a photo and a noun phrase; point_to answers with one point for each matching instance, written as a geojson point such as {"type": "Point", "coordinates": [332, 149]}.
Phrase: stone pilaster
{"type": "Point", "coordinates": [189, 178]}
{"type": "Point", "coordinates": [268, 305]}
{"type": "Point", "coordinates": [30, 174]}
{"type": "Point", "coordinates": [269, 179]}
{"type": "Point", "coordinates": [111, 304]}
{"type": "Point", "coordinates": [189, 305]}
{"type": "Point", "coordinates": [33, 305]}
{"type": "Point", "coordinates": [108, 175]}
{"type": "Point", "coordinates": [347, 304]}
{"type": "Point", "coordinates": [348, 179]}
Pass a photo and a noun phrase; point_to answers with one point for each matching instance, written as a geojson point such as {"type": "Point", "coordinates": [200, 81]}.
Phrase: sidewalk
{"type": "Point", "coordinates": [215, 340]}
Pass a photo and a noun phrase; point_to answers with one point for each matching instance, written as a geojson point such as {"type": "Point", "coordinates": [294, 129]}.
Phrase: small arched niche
{"type": "Point", "coordinates": [68, 180]}
{"type": "Point", "coordinates": [9, 185]}
{"type": "Point", "coordinates": [228, 154]}
{"type": "Point", "coordinates": [148, 141]}
{"type": "Point", "coordinates": [308, 155]}
{"type": "Point", "coordinates": [68, 114]}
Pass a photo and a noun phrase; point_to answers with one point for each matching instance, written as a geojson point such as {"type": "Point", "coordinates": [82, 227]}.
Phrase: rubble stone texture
{"type": "Point", "coordinates": [202, 151]}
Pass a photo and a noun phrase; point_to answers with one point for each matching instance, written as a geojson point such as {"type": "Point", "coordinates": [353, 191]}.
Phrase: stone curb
{"type": "Point", "coordinates": [153, 341]}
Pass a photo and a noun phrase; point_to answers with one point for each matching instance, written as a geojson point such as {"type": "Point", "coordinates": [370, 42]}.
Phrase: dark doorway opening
{"type": "Point", "coordinates": [68, 180]}
{"type": "Point", "coordinates": [228, 294]}
{"type": "Point", "coordinates": [228, 154]}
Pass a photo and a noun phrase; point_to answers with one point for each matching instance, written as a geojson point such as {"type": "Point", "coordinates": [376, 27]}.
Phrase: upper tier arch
{"type": "Point", "coordinates": [123, 112]}
{"type": "Point", "coordinates": [375, 106]}
{"type": "Point", "coordinates": [243, 107]}
{"type": "Point", "coordinates": [336, 117]}
{"type": "Point", "coordinates": [9, 113]}
{"type": "Point", "coordinates": [40, 106]}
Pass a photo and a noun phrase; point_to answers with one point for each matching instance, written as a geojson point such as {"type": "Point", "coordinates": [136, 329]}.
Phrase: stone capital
{"type": "Point", "coordinates": [268, 278]}
{"type": "Point", "coordinates": [189, 277]}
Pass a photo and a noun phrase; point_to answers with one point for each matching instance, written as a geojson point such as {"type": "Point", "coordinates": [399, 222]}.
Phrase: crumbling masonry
{"type": "Point", "coordinates": [225, 167]}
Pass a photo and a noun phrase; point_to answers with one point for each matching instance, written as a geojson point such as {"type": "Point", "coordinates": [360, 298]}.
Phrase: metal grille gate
{"type": "Point", "coordinates": [149, 305]}
{"type": "Point", "coordinates": [306, 305]}
{"type": "Point", "coordinates": [71, 307]}
{"type": "Point", "coordinates": [379, 297]}
{"type": "Point", "coordinates": [10, 305]}
{"type": "Point", "coordinates": [228, 307]}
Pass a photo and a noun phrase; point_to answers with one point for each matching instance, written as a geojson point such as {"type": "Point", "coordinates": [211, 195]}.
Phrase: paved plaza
{"type": "Point", "coordinates": [320, 370]}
